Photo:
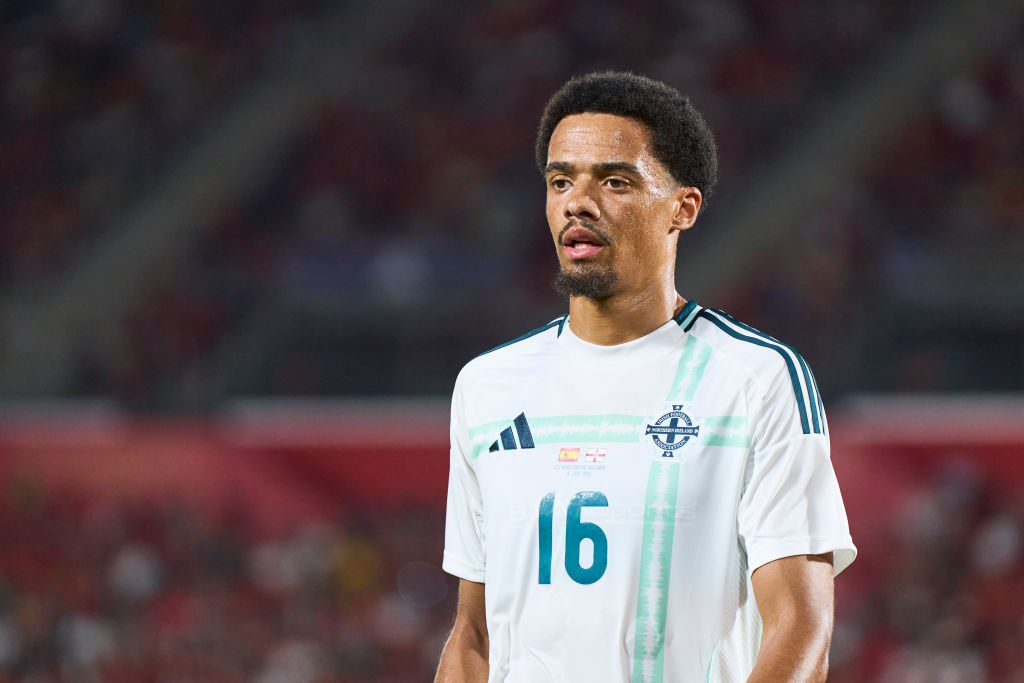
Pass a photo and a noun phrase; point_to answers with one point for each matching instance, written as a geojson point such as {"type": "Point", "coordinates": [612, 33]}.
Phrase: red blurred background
{"type": "Point", "coordinates": [302, 542]}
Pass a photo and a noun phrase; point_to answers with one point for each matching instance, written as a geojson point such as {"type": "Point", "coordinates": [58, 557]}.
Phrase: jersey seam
{"type": "Point", "coordinates": [793, 546]}
{"type": "Point", "coordinates": [803, 387]}
{"type": "Point", "coordinates": [805, 401]}
{"type": "Point", "coordinates": [750, 369]}
{"type": "Point", "coordinates": [458, 562]}
{"type": "Point", "coordinates": [811, 389]}
{"type": "Point", "coordinates": [796, 539]}
{"type": "Point", "coordinates": [751, 382]}
{"type": "Point", "coordinates": [764, 451]}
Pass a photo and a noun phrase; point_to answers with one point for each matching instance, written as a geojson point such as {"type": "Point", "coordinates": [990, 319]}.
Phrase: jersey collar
{"type": "Point", "coordinates": [663, 338]}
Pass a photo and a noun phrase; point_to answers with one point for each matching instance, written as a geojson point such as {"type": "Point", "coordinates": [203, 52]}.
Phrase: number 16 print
{"type": "Point", "coordinates": [575, 533]}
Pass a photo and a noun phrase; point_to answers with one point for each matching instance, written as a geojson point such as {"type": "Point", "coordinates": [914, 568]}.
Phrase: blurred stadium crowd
{"type": "Point", "coordinates": [146, 591]}
{"type": "Point", "coordinates": [940, 595]}
{"type": "Point", "coordinates": [412, 195]}
{"type": "Point", "coordinates": [97, 95]}
{"type": "Point", "coordinates": [401, 232]}
{"type": "Point", "coordinates": [92, 590]}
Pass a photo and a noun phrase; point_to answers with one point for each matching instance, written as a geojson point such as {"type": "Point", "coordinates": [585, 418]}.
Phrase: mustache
{"type": "Point", "coordinates": [581, 223]}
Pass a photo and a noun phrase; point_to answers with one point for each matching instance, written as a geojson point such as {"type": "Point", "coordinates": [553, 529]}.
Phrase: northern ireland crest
{"type": "Point", "coordinates": [672, 430]}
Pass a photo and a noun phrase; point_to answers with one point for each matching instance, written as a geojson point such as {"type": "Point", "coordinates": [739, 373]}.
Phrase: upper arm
{"type": "Point", "coordinates": [471, 610]}
{"type": "Point", "coordinates": [795, 598]}
{"type": "Point", "coordinates": [469, 635]}
{"type": "Point", "coordinates": [465, 655]}
{"type": "Point", "coordinates": [790, 588]}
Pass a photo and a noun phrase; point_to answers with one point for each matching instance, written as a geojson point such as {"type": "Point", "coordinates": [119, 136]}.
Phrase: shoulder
{"type": "Point", "coordinates": [759, 354]}
{"type": "Point", "coordinates": [527, 342]}
{"type": "Point", "coordinates": [776, 368]}
{"type": "Point", "coordinates": [521, 351]}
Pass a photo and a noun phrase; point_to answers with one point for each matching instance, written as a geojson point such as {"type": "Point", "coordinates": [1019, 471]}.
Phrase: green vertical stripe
{"type": "Point", "coordinates": [655, 563]}
{"type": "Point", "coordinates": [711, 663]}
{"type": "Point", "coordinates": [692, 363]}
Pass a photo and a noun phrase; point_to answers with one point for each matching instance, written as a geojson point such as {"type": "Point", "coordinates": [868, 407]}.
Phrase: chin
{"type": "Point", "coordinates": [593, 281]}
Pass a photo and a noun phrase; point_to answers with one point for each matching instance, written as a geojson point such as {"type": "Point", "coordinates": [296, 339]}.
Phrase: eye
{"type": "Point", "coordinates": [559, 183]}
{"type": "Point", "coordinates": [616, 183]}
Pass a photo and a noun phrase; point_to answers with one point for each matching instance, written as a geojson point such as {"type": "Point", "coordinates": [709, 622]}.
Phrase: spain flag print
{"type": "Point", "coordinates": [568, 455]}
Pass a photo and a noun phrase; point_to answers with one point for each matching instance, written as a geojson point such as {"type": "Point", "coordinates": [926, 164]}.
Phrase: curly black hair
{"type": "Point", "coordinates": [680, 137]}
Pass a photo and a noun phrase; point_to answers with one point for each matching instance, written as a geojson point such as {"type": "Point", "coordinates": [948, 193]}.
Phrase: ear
{"type": "Point", "coordinates": [687, 206]}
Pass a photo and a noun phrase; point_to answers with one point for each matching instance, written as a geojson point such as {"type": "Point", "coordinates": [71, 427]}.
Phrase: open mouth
{"type": "Point", "coordinates": [580, 243]}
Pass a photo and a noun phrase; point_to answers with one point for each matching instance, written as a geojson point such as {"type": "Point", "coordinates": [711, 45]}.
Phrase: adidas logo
{"type": "Point", "coordinates": [506, 441]}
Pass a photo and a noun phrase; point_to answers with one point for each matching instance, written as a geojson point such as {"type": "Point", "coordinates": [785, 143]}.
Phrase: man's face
{"type": "Point", "coordinates": [612, 207]}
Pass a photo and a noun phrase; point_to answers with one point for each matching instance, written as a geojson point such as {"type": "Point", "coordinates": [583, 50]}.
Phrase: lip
{"type": "Point", "coordinates": [588, 243]}
{"type": "Point", "coordinates": [582, 252]}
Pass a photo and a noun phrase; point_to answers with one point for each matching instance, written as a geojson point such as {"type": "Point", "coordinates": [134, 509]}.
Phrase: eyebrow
{"type": "Point", "coordinates": [606, 167]}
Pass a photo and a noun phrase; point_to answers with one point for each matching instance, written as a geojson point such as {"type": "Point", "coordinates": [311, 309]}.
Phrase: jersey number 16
{"type": "Point", "coordinates": [575, 532]}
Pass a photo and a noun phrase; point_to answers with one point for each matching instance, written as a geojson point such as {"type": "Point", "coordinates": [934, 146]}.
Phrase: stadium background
{"type": "Point", "coordinates": [246, 246]}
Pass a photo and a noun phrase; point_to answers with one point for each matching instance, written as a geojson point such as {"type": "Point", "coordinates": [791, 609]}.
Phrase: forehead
{"type": "Point", "coordinates": [600, 138]}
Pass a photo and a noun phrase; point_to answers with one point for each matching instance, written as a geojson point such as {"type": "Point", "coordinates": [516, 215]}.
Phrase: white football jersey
{"type": "Point", "coordinates": [615, 499]}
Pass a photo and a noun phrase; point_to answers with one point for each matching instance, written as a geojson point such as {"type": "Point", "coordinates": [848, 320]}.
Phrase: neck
{"type": "Point", "coordinates": [623, 317]}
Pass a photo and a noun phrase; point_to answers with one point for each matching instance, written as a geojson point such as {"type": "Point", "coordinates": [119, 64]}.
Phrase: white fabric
{"type": "Point", "coordinates": [754, 483]}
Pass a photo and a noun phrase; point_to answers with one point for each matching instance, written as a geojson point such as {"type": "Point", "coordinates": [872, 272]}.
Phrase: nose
{"type": "Point", "coordinates": [581, 203]}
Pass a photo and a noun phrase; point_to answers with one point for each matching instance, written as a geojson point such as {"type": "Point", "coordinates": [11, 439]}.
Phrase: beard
{"type": "Point", "coordinates": [591, 282]}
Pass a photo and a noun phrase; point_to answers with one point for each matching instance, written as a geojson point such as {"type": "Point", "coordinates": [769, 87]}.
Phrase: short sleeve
{"type": "Point", "coordinates": [791, 504]}
{"type": "Point", "coordinates": [463, 536]}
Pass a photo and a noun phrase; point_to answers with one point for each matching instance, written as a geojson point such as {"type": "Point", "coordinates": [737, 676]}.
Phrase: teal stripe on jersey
{"type": "Point", "coordinates": [821, 408]}
{"type": "Point", "coordinates": [801, 400]}
{"type": "Point", "coordinates": [711, 663]}
{"type": "Point", "coordinates": [812, 394]}
{"type": "Point", "coordinates": [728, 431]}
{"type": "Point", "coordinates": [557, 322]}
{"type": "Point", "coordinates": [692, 363]}
{"type": "Point", "coordinates": [725, 431]}
{"type": "Point", "coordinates": [686, 316]}
{"type": "Point", "coordinates": [655, 566]}
{"type": "Point", "coordinates": [562, 428]}
{"type": "Point", "coordinates": [812, 387]}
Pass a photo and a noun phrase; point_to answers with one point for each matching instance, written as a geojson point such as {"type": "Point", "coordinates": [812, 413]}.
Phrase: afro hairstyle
{"type": "Point", "coordinates": [680, 137]}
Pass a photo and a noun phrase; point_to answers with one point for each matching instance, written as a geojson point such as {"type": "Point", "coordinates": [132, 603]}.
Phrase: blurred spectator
{"type": "Point", "coordinates": [418, 188]}
{"type": "Point", "coordinates": [152, 591]}
{"type": "Point", "coordinates": [947, 592]}
{"type": "Point", "coordinates": [96, 97]}
{"type": "Point", "coordinates": [415, 188]}
{"type": "Point", "coordinates": [91, 590]}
